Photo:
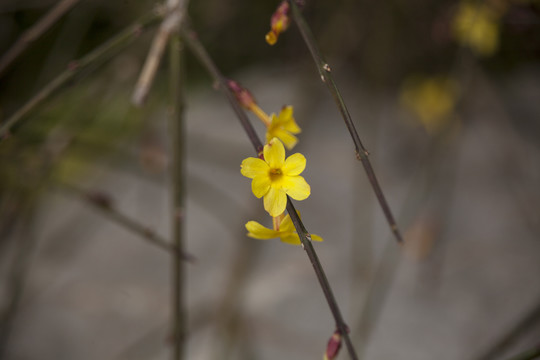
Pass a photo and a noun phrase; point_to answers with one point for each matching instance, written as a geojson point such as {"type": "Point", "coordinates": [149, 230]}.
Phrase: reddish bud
{"type": "Point", "coordinates": [243, 96]}
{"type": "Point", "coordinates": [333, 346]}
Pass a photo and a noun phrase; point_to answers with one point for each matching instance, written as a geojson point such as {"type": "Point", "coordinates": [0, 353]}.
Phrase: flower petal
{"type": "Point", "coordinates": [274, 153]}
{"type": "Point", "coordinates": [275, 201]}
{"type": "Point", "coordinates": [260, 185]}
{"type": "Point", "coordinates": [286, 113]}
{"type": "Point", "coordinates": [288, 139]}
{"type": "Point", "coordinates": [291, 238]}
{"type": "Point", "coordinates": [287, 121]}
{"type": "Point", "coordinates": [294, 165]}
{"type": "Point", "coordinates": [316, 237]}
{"type": "Point", "coordinates": [252, 167]}
{"type": "Point", "coordinates": [292, 127]}
{"type": "Point", "coordinates": [275, 121]}
{"type": "Point", "coordinates": [296, 187]}
{"type": "Point", "coordinates": [286, 225]}
{"type": "Point", "coordinates": [257, 231]}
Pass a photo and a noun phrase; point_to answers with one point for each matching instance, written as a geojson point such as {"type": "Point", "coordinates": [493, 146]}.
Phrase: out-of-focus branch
{"type": "Point", "coordinates": [18, 277]}
{"type": "Point", "coordinates": [169, 31]}
{"type": "Point", "coordinates": [99, 54]}
{"type": "Point", "coordinates": [524, 324]}
{"type": "Point", "coordinates": [35, 32]}
{"type": "Point", "coordinates": [528, 355]}
{"type": "Point", "coordinates": [104, 204]}
{"type": "Point", "coordinates": [199, 51]}
{"type": "Point", "coordinates": [155, 54]}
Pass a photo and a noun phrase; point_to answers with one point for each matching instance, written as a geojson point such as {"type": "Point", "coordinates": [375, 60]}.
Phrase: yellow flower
{"type": "Point", "coordinates": [431, 99]}
{"type": "Point", "coordinates": [476, 26]}
{"type": "Point", "coordinates": [276, 177]}
{"type": "Point", "coordinates": [283, 229]}
{"type": "Point", "coordinates": [283, 127]}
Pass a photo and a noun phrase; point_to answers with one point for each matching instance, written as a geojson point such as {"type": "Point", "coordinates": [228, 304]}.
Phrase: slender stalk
{"type": "Point", "coordinates": [376, 296]}
{"type": "Point", "coordinates": [159, 43]}
{"type": "Point", "coordinates": [361, 152]}
{"type": "Point", "coordinates": [103, 204]}
{"type": "Point", "coordinates": [530, 319]}
{"type": "Point", "coordinates": [176, 126]}
{"type": "Point", "coordinates": [530, 354]}
{"type": "Point", "coordinates": [427, 180]}
{"type": "Point", "coordinates": [230, 319]}
{"type": "Point", "coordinates": [101, 53]}
{"type": "Point", "coordinates": [200, 52]}
{"type": "Point", "coordinates": [305, 238]}
{"type": "Point", "coordinates": [18, 277]}
{"type": "Point", "coordinates": [32, 34]}
{"type": "Point", "coordinates": [192, 41]}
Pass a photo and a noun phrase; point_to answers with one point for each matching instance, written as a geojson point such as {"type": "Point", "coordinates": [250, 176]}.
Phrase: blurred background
{"type": "Point", "coordinates": [445, 96]}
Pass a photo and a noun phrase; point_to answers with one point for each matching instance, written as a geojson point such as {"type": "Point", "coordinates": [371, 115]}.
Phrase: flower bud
{"type": "Point", "coordinates": [243, 96]}
{"type": "Point", "coordinates": [333, 346]}
{"type": "Point", "coordinates": [279, 22]}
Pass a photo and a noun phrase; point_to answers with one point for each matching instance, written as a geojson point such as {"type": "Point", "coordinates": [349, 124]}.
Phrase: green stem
{"type": "Point", "coordinates": [361, 153]}
{"type": "Point", "coordinates": [178, 185]}
{"type": "Point", "coordinates": [199, 51]}
{"type": "Point", "coordinates": [101, 53]}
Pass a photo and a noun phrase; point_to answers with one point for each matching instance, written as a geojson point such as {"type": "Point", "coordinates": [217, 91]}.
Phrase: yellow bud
{"type": "Point", "coordinates": [271, 38]}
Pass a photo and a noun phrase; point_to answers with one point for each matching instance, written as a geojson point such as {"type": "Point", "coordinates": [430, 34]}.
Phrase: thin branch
{"type": "Point", "coordinates": [177, 131]}
{"type": "Point", "coordinates": [361, 152]}
{"type": "Point", "coordinates": [305, 238]}
{"type": "Point", "coordinates": [148, 73]}
{"type": "Point", "coordinates": [524, 324]}
{"type": "Point", "coordinates": [530, 354]}
{"type": "Point", "coordinates": [18, 277]}
{"type": "Point", "coordinates": [32, 34]}
{"type": "Point", "coordinates": [103, 203]}
{"type": "Point", "coordinates": [101, 53]}
{"type": "Point", "coordinates": [197, 48]}
{"type": "Point", "coordinates": [230, 318]}
{"type": "Point", "coordinates": [192, 40]}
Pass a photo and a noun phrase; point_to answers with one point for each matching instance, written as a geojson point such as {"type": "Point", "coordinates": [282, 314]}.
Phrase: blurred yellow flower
{"type": "Point", "coordinates": [431, 99]}
{"type": "Point", "coordinates": [283, 228]}
{"type": "Point", "coordinates": [279, 22]}
{"type": "Point", "coordinates": [276, 177]}
{"type": "Point", "coordinates": [283, 127]}
{"type": "Point", "coordinates": [476, 26]}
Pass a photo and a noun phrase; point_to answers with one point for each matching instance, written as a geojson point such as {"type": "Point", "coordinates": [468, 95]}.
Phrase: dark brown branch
{"type": "Point", "coordinates": [197, 48]}
{"type": "Point", "coordinates": [361, 153]}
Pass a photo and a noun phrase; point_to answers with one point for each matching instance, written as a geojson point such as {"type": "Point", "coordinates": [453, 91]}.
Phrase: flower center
{"type": "Point", "coordinates": [275, 175]}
